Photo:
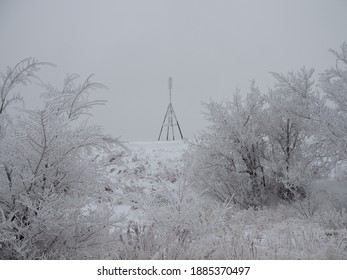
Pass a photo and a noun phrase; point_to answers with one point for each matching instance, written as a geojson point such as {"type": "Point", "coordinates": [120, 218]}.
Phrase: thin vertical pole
{"type": "Point", "coordinates": [162, 125]}
{"type": "Point", "coordinates": [170, 87]}
{"type": "Point", "coordinates": [168, 126]}
{"type": "Point", "coordinates": [172, 125]}
{"type": "Point", "coordinates": [178, 125]}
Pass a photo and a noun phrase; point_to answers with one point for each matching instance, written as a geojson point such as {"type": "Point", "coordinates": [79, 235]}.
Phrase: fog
{"type": "Point", "coordinates": [210, 48]}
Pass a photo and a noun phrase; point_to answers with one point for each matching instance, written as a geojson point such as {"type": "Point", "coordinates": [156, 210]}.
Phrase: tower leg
{"type": "Point", "coordinates": [178, 125]}
{"type": "Point", "coordinates": [171, 124]}
{"type": "Point", "coordinates": [161, 130]}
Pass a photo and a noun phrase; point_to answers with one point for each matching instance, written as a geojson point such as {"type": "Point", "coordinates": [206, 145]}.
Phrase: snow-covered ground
{"type": "Point", "coordinates": [146, 162]}
{"type": "Point", "coordinates": [144, 168]}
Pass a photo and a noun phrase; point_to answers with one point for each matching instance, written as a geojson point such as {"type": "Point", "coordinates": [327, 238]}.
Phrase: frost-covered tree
{"type": "Point", "coordinates": [333, 117]}
{"type": "Point", "coordinates": [51, 182]}
{"type": "Point", "coordinates": [296, 157]}
{"type": "Point", "coordinates": [21, 74]}
{"type": "Point", "coordinates": [228, 159]}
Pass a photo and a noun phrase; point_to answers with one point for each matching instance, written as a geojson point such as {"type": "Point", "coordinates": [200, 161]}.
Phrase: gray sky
{"type": "Point", "coordinates": [208, 47]}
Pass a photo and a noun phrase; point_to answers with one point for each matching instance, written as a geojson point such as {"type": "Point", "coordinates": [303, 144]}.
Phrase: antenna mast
{"type": "Point", "coordinates": [170, 119]}
{"type": "Point", "coordinates": [170, 86]}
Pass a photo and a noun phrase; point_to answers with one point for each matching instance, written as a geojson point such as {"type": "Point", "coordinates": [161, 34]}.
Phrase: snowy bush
{"type": "Point", "coordinates": [228, 159]}
{"type": "Point", "coordinates": [177, 224]}
{"type": "Point", "coordinates": [51, 185]}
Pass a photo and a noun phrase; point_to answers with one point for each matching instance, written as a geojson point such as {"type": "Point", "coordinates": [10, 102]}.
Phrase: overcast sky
{"type": "Point", "coordinates": [208, 47]}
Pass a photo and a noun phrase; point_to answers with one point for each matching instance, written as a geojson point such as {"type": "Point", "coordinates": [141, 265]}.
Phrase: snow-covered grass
{"type": "Point", "coordinates": [168, 219]}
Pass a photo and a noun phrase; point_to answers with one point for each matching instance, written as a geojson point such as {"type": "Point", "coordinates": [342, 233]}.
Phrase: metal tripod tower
{"type": "Point", "coordinates": [170, 119]}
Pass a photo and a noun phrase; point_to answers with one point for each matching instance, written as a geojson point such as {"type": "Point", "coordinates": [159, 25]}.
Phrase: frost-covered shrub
{"type": "Point", "coordinates": [228, 159]}
{"type": "Point", "coordinates": [330, 205]}
{"type": "Point", "coordinates": [51, 185]}
{"type": "Point", "coordinates": [177, 224]}
{"type": "Point", "coordinates": [280, 233]}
